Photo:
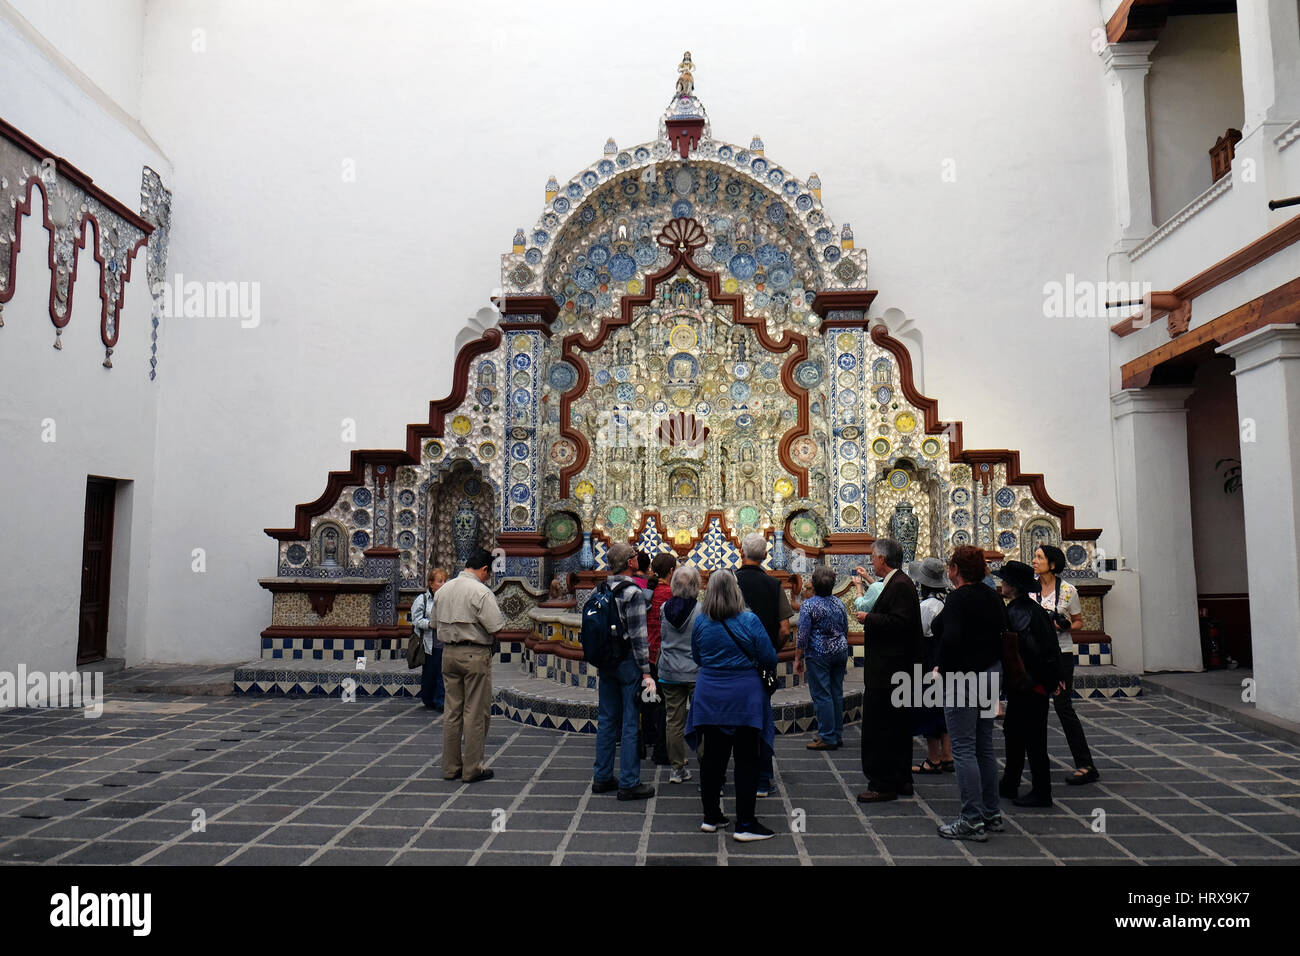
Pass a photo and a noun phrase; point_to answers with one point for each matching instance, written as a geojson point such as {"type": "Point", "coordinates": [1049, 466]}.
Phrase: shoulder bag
{"type": "Point", "coordinates": [766, 675]}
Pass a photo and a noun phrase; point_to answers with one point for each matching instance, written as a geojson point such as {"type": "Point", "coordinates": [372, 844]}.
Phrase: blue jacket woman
{"type": "Point", "coordinates": [730, 711]}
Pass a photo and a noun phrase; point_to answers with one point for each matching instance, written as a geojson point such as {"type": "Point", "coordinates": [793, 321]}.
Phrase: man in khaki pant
{"type": "Point", "coordinates": [468, 620]}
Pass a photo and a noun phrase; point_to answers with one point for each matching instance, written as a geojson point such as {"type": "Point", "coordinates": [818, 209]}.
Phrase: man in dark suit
{"type": "Point", "coordinates": [892, 643]}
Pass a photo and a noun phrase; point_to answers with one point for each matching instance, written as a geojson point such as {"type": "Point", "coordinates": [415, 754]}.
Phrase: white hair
{"type": "Point", "coordinates": [754, 546]}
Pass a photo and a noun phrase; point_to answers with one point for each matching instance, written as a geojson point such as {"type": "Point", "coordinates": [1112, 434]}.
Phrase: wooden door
{"type": "Point", "coordinates": [96, 565]}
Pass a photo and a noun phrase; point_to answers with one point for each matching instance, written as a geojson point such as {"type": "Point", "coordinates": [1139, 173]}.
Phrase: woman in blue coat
{"type": "Point", "coordinates": [730, 712]}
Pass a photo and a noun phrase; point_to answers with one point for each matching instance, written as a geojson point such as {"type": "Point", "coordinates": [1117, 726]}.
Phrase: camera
{"type": "Point", "coordinates": [1061, 622]}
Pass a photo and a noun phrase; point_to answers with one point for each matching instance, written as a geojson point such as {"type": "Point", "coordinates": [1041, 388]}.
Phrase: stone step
{"type": "Point", "coordinates": [521, 696]}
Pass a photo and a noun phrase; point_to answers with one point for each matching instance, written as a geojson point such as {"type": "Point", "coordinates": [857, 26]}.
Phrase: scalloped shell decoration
{"type": "Point", "coordinates": [682, 235]}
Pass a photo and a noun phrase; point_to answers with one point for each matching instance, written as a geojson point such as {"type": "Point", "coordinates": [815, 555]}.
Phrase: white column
{"type": "Point", "coordinates": [1269, 34]}
{"type": "Point", "coordinates": [1268, 400]}
{"type": "Point", "coordinates": [1127, 65]}
{"type": "Point", "coordinates": [1155, 510]}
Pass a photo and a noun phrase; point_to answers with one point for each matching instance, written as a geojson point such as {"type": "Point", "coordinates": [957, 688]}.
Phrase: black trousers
{"type": "Point", "coordinates": [1026, 730]}
{"type": "Point", "coordinates": [714, 756]}
{"type": "Point", "coordinates": [653, 736]}
{"type": "Point", "coordinates": [886, 741]}
{"type": "Point", "coordinates": [1069, 719]}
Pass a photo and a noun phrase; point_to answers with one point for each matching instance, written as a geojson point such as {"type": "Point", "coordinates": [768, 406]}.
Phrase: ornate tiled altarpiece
{"type": "Point", "coordinates": [683, 356]}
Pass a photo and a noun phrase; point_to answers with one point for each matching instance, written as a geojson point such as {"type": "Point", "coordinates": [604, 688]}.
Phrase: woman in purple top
{"type": "Point", "coordinates": [822, 649]}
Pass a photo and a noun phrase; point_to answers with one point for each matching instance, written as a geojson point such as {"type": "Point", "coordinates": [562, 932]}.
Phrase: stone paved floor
{"type": "Point", "coordinates": [292, 781]}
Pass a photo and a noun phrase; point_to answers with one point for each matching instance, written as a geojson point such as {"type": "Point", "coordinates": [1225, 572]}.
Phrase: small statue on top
{"type": "Point", "coordinates": [685, 83]}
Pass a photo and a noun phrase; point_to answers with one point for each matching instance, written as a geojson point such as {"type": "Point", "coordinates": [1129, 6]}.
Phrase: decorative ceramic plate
{"type": "Point", "coordinates": [804, 451]}
{"type": "Point", "coordinates": [461, 425]}
{"type": "Point", "coordinates": [1005, 497]}
{"type": "Point", "coordinates": [1006, 519]}
{"type": "Point", "coordinates": [883, 394]}
{"type": "Point", "coordinates": [849, 471]}
{"type": "Point", "coordinates": [585, 489]}
{"type": "Point", "coordinates": [960, 539]}
{"type": "Point", "coordinates": [960, 496]}
{"type": "Point", "coordinates": [683, 337]}
{"type": "Point", "coordinates": [849, 450]}
{"type": "Point", "coordinates": [433, 450]}
{"type": "Point", "coordinates": [931, 447]}
{"type": "Point", "coordinates": [618, 516]}
{"type": "Point", "coordinates": [851, 515]}
{"type": "Point", "coordinates": [563, 452]}
{"type": "Point", "coordinates": [900, 479]}
{"type": "Point", "coordinates": [904, 421]}
{"type": "Point", "coordinates": [1076, 554]}
{"type": "Point", "coordinates": [747, 516]}
{"type": "Point", "coordinates": [520, 471]}
{"type": "Point", "coordinates": [847, 341]}
{"type": "Point", "coordinates": [880, 447]}
{"type": "Point", "coordinates": [846, 360]}
{"type": "Point", "coordinates": [1007, 540]}
{"type": "Point", "coordinates": [804, 531]}
{"type": "Point", "coordinates": [783, 487]}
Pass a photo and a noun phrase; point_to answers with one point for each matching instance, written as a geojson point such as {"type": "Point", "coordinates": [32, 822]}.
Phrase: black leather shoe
{"type": "Point", "coordinates": [483, 775]}
{"type": "Point", "coordinates": [1029, 800]}
{"type": "Point", "coordinates": [604, 786]}
{"type": "Point", "coordinates": [906, 790]}
{"type": "Point", "coordinates": [642, 791]}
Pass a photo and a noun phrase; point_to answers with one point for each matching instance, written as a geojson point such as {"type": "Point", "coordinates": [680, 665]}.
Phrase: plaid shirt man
{"type": "Point", "coordinates": [631, 605]}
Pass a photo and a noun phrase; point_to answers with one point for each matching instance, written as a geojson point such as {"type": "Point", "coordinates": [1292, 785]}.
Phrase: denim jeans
{"type": "Point", "coordinates": [974, 757]}
{"type": "Point", "coordinates": [432, 691]}
{"type": "Point", "coordinates": [617, 723]}
{"type": "Point", "coordinates": [826, 685]}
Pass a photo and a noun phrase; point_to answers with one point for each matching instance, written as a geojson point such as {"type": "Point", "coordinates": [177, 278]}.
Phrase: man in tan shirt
{"type": "Point", "coordinates": [468, 620]}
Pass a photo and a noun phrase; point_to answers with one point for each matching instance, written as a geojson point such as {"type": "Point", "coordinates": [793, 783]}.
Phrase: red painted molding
{"type": "Point", "coordinates": [543, 305]}
{"type": "Point", "coordinates": [929, 407]}
{"type": "Point", "coordinates": [322, 585]}
{"type": "Point", "coordinates": [67, 171]}
{"type": "Point", "coordinates": [415, 437]}
{"type": "Point", "coordinates": [826, 302]}
{"type": "Point", "coordinates": [23, 209]}
{"type": "Point", "coordinates": [395, 632]}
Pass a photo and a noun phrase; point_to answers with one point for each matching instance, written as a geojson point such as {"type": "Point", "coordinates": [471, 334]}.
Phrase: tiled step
{"type": "Point", "coordinates": [521, 696]}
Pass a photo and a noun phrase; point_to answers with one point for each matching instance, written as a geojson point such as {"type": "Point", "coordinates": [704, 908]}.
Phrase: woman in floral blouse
{"type": "Point", "coordinates": [822, 649]}
{"type": "Point", "coordinates": [1061, 602]}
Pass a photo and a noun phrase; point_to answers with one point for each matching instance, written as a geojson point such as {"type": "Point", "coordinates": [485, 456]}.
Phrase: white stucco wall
{"type": "Point", "coordinates": [104, 421]}
{"type": "Point", "coordinates": [103, 38]}
{"type": "Point", "coordinates": [1194, 96]}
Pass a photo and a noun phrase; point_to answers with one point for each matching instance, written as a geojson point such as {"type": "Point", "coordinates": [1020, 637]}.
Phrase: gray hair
{"type": "Point", "coordinates": [722, 598]}
{"type": "Point", "coordinates": [823, 580]}
{"type": "Point", "coordinates": [620, 553]}
{"type": "Point", "coordinates": [890, 551]}
{"type": "Point", "coordinates": [686, 581]}
{"type": "Point", "coordinates": [754, 547]}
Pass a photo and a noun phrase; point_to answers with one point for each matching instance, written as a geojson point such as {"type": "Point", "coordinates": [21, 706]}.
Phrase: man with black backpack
{"type": "Point", "coordinates": [615, 641]}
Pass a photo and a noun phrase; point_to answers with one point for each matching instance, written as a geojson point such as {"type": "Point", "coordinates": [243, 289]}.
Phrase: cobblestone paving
{"type": "Point", "coordinates": [308, 781]}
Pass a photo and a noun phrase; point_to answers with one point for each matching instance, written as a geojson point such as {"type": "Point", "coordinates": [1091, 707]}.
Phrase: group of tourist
{"type": "Point", "coordinates": [699, 669]}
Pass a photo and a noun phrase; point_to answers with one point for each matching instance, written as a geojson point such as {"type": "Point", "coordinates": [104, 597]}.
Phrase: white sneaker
{"type": "Point", "coordinates": [679, 775]}
{"type": "Point", "coordinates": [751, 832]}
